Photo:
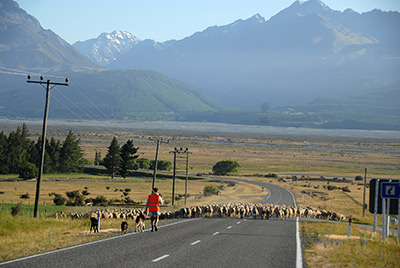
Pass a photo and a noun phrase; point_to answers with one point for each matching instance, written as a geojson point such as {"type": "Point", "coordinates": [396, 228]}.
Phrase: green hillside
{"type": "Point", "coordinates": [107, 94]}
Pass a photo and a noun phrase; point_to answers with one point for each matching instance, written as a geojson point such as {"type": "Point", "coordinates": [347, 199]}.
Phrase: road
{"type": "Point", "coordinates": [199, 242]}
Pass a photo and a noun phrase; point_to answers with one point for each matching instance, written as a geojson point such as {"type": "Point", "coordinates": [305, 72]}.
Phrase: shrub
{"type": "Point", "coordinates": [359, 178]}
{"type": "Point", "coordinates": [143, 163]}
{"type": "Point", "coordinates": [346, 189]}
{"type": "Point", "coordinates": [59, 200]}
{"type": "Point", "coordinates": [15, 210]}
{"type": "Point", "coordinates": [100, 200]}
{"type": "Point", "coordinates": [24, 196]}
{"type": "Point", "coordinates": [331, 187]}
{"type": "Point", "coordinates": [84, 192]}
{"type": "Point", "coordinates": [28, 171]}
{"type": "Point", "coordinates": [162, 165]}
{"type": "Point", "coordinates": [271, 175]}
{"type": "Point", "coordinates": [211, 190]}
{"type": "Point", "coordinates": [75, 198]}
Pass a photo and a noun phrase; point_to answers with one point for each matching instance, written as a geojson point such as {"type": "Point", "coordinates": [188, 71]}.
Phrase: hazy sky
{"type": "Point", "coordinates": [161, 20]}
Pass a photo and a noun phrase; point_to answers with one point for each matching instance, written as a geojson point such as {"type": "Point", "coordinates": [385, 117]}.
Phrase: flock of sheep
{"type": "Point", "coordinates": [230, 210]}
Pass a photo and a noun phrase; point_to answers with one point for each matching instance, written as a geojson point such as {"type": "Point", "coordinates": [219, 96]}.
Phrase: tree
{"type": "Point", "coordinates": [142, 163]}
{"type": "Point", "coordinates": [127, 154]}
{"type": "Point", "coordinates": [18, 145]}
{"type": "Point", "coordinates": [71, 155]}
{"type": "Point", "coordinates": [113, 159]}
{"type": "Point", "coordinates": [161, 165]}
{"type": "Point", "coordinates": [28, 171]}
{"type": "Point", "coordinates": [226, 167]}
{"type": "Point", "coordinates": [97, 158]}
{"type": "Point", "coordinates": [3, 153]}
{"type": "Point", "coordinates": [53, 151]}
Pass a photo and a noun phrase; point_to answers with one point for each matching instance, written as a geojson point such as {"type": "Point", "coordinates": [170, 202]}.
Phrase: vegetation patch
{"type": "Point", "coordinates": [327, 245]}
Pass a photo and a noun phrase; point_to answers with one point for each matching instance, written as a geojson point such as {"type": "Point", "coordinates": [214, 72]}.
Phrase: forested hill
{"type": "Point", "coordinates": [106, 94]}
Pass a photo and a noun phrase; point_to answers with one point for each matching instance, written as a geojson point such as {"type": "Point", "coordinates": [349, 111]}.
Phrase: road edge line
{"type": "Point", "coordinates": [87, 244]}
{"type": "Point", "coordinates": [299, 257]}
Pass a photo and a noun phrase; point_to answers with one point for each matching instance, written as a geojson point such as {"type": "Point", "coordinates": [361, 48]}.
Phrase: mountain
{"type": "Point", "coordinates": [24, 44]}
{"type": "Point", "coordinates": [304, 52]}
{"type": "Point", "coordinates": [94, 93]}
{"type": "Point", "coordinates": [107, 47]}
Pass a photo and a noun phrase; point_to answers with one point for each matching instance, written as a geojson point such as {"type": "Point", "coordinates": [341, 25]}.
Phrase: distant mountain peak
{"type": "Point", "coordinates": [107, 47]}
{"type": "Point", "coordinates": [310, 6]}
{"type": "Point", "coordinates": [257, 18]}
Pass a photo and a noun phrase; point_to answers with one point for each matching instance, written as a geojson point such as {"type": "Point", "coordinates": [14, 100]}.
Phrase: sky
{"type": "Point", "coordinates": [162, 20]}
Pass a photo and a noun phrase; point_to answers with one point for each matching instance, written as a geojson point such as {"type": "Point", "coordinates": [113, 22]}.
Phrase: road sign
{"type": "Point", "coordinates": [393, 202]}
{"type": "Point", "coordinates": [390, 190]}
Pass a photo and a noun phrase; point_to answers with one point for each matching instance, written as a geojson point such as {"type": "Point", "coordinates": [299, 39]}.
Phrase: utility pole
{"type": "Point", "coordinates": [49, 85]}
{"type": "Point", "coordinates": [187, 170]}
{"type": "Point", "coordinates": [159, 141]}
{"type": "Point", "coordinates": [175, 152]}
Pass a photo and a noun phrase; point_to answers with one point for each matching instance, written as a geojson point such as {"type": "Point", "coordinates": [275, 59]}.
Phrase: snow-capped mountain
{"type": "Point", "coordinates": [305, 51]}
{"type": "Point", "coordinates": [107, 47]}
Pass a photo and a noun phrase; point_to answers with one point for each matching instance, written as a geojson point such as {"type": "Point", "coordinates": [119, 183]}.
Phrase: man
{"type": "Point", "coordinates": [153, 204]}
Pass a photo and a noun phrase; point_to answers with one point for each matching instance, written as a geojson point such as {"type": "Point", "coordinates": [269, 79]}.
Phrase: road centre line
{"type": "Point", "coordinates": [160, 258]}
{"type": "Point", "coordinates": [215, 233]}
{"type": "Point", "coordinates": [238, 222]}
{"type": "Point", "coordinates": [229, 227]}
{"type": "Point", "coordinates": [195, 242]}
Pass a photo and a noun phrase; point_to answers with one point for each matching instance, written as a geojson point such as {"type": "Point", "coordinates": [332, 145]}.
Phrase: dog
{"type": "Point", "coordinates": [124, 227]}
{"type": "Point", "coordinates": [140, 221]}
{"type": "Point", "coordinates": [94, 224]}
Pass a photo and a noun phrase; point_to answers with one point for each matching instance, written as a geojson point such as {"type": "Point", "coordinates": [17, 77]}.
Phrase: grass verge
{"type": "Point", "coordinates": [327, 245]}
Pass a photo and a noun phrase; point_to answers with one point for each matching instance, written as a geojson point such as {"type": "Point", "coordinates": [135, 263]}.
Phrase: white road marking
{"type": "Point", "coordinates": [91, 243]}
{"type": "Point", "coordinates": [229, 227]}
{"type": "Point", "coordinates": [159, 259]}
{"type": "Point", "coordinates": [215, 233]}
{"type": "Point", "coordinates": [245, 219]}
{"type": "Point", "coordinates": [238, 222]}
{"type": "Point", "coordinates": [195, 242]}
{"type": "Point", "coordinates": [299, 258]}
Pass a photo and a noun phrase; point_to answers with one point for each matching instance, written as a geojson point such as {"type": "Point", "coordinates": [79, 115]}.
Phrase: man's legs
{"type": "Point", "coordinates": [156, 222]}
{"type": "Point", "coordinates": [152, 222]}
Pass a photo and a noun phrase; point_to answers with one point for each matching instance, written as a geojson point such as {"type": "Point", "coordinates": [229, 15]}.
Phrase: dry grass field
{"type": "Point", "coordinates": [284, 155]}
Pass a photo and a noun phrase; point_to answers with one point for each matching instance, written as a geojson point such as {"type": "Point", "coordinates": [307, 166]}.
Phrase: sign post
{"type": "Point", "coordinates": [398, 221]}
{"type": "Point", "coordinates": [376, 204]}
{"type": "Point", "coordinates": [390, 190]}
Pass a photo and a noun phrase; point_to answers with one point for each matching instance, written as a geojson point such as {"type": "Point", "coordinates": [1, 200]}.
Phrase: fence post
{"type": "Point", "coordinates": [98, 222]}
{"type": "Point", "coordinates": [349, 228]}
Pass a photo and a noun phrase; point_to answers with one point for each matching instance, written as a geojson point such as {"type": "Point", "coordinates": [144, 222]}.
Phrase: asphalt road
{"type": "Point", "coordinates": [200, 242]}
{"type": "Point", "coordinates": [277, 195]}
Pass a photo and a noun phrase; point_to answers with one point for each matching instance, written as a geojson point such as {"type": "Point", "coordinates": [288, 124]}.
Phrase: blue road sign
{"type": "Point", "coordinates": [390, 190]}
